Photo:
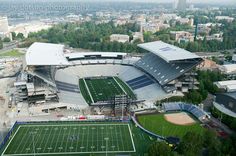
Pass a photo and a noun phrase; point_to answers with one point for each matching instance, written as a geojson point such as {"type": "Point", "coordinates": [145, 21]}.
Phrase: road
{"type": "Point", "coordinates": [9, 46]}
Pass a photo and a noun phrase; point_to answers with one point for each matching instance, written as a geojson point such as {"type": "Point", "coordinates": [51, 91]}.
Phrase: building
{"type": "Point", "coordinates": [229, 69]}
{"type": "Point", "coordinates": [226, 18]}
{"type": "Point", "coordinates": [4, 24]}
{"type": "Point", "coordinates": [217, 37]}
{"type": "Point", "coordinates": [234, 58]}
{"type": "Point", "coordinates": [226, 103]}
{"type": "Point", "coordinates": [182, 36]}
{"type": "Point", "coordinates": [119, 38]}
{"type": "Point", "coordinates": [150, 27]}
{"type": "Point", "coordinates": [138, 36]}
{"type": "Point", "coordinates": [185, 21]}
{"type": "Point", "coordinates": [26, 28]}
{"type": "Point", "coordinates": [4, 28]}
{"type": "Point", "coordinates": [170, 66]}
{"type": "Point", "coordinates": [182, 5]}
{"type": "Point", "coordinates": [228, 86]}
{"type": "Point", "coordinates": [174, 4]}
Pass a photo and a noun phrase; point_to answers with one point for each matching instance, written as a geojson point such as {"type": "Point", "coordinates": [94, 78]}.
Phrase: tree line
{"type": "Point", "coordinates": [88, 35]}
{"type": "Point", "coordinates": [195, 144]}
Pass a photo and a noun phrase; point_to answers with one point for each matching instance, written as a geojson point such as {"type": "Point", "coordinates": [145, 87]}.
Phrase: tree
{"type": "Point", "coordinates": [1, 44]}
{"type": "Point", "coordinates": [159, 149]}
{"type": "Point", "coordinates": [6, 39]}
{"type": "Point", "coordinates": [191, 144]}
{"type": "Point", "coordinates": [13, 34]}
{"type": "Point", "coordinates": [212, 143]}
{"type": "Point", "coordinates": [20, 36]}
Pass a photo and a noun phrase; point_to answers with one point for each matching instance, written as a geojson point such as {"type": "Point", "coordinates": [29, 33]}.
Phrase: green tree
{"type": "Point", "coordinates": [6, 39]}
{"type": "Point", "coordinates": [20, 36]}
{"type": "Point", "coordinates": [191, 144]}
{"type": "Point", "coordinates": [212, 143]}
{"type": "Point", "coordinates": [159, 149]}
{"type": "Point", "coordinates": [1, 44]}
{"type": "Point", "coordinates": [13, 34]}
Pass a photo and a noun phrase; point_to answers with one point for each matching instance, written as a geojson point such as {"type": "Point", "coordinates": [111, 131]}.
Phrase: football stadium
{"type": "Point", "coordinates": [82, 79]}
{"type": "Point", "coordinates": [118, 89]}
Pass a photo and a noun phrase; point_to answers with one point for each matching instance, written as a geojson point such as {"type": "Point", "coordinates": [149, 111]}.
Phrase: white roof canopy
{"type": "Point", "coordinates": [45, 54]}
{"type": "Point", "coordinates": [103, 54]}
{"type": "Point", "coordinates": [167, 52]}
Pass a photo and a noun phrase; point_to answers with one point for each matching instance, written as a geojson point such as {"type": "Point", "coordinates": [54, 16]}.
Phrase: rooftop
{"type": "Point", "coordinates": [103, 54]}
{"type": "Point", "coordinates": [167, 52]}
{"type": "Point", "coordinates": [45, 54]}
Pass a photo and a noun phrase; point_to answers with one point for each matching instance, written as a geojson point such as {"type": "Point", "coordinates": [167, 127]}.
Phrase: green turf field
{"type": "Point", "coordinates": [103, 88]}
{"type": "Point", "coordinates": [71, 139]}
{"type": "Point", "coordinates": [156, 123]}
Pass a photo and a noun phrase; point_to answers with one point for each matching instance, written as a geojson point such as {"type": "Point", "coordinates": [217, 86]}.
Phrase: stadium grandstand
{"type": "Point", "coordinates": [75, 79]}
{"type": "Point", "coordinates": [193, 109]}
{"type": "Point", "coordinates": [167, 64]}
{"type": "Point", "coordinates": [226, 103]}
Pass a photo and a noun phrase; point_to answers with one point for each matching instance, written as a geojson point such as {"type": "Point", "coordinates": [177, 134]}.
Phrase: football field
{"type": "Point", "coordinates": [72, 139]}
{"type": "Point", "coordinates": [99, 89]}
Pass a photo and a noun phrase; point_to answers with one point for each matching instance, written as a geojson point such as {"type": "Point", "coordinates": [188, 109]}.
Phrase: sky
{"type": "Point", "coordinates": [190, 1]}
{"type": "Point", "coordinates": [157, 1]}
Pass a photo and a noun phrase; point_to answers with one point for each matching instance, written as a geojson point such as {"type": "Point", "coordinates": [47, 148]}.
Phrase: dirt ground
{"type": "Point", "coordinates": [181, 118]}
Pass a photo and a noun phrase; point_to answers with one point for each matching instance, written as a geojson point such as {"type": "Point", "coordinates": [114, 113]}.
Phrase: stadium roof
{"type": "Point", "coordinates": [231, 94]}
{"type": "Point", "coordinates": [45, 54]}
{"type": "Point", "coordinates": [229, 85]}
{"type": "Point", "coordinates": [228, 69]}
{"type": "Point", "coordinates": [167, 52]}
{"type": "Point", "coordinates": [103, 54]}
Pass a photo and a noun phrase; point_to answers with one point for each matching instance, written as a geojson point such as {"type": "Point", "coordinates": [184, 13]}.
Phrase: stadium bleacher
{"type": "Point", "coordinates": [163, 71]}
{"type": "Point", "coordinates": [140, 82]}
{"type": "Point", "coordinates": [67, 87]}
{"type": "Point", "coordinates": [179, 106]}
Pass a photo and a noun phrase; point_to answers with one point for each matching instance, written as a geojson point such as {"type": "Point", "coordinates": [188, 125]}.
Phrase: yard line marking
{"type": "Point", "coordinates": [72, 125]}
{"type": "Point", "coordinates": [57, 139]}
{"type": "Point", "coordinates": [87, 139]}
{"type": "Point", "coordinates": [111, 129]}
{"type": "Point", "coordinates": [10, 141]}
{"type": "Point", "coordinates": [88, 90]}
{"type": "Point", "coordinates": [120, 86]}
{"type": "Point", "coordinates": [82, 138]}
{"type": "Point", "coordinates": [117, 139]}
{"type": "Point", "coordinates": [48, 138]}
{"type": "Point", "coordinates": [79, 138]}
{"type": "Point", "coordinates": [63, 153]}
{"type": "Point", "coordinates": [25, 143]}
{"type": "Point", "coordinates": [37, 138]}
{"type": "Point", "coordinates": [68, 134]}
{"type": "Point", "coordinates": [62, 140]}
{"type": "Point", "coordinates": [54, 134]}
{"type": "Point", "coordinates": [121, 137]}
{"type": "Point", "coordinates": [132, 139]}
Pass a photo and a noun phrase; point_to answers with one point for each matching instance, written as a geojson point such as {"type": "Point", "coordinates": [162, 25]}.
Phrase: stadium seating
{"type": "Point", "coordinates": [67, 87]}
{"type": "Point", "coordinates": [161, 70]}
{"type": "Point", "coordinates": [43, 73]}
{"type": "Point", "coordinates": [140, 82]}
{"type": "Point", "coordinates": [179, 106]}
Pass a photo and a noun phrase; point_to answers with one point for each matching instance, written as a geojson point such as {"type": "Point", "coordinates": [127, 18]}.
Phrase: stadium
{"type": "Point", "coordinates": [78, 80]}
{"type": "Point", "coordinates": [116, 87]}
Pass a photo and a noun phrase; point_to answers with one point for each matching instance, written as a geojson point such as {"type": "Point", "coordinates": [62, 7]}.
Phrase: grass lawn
{"type": "Point", "coordinates": [76, 138]}
{"type": "Point", "coordinates": [103, 88]}
{"type": "Point", "coordinates": [156, 123]}
{"type": "Point", "coordinates": [12, 53]}
{"type": "Point", "coordinates": [71, 139]}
